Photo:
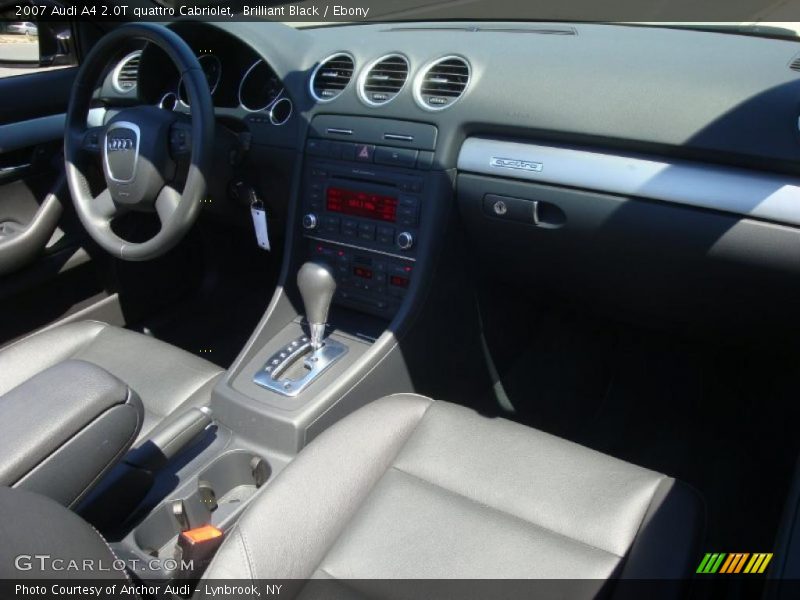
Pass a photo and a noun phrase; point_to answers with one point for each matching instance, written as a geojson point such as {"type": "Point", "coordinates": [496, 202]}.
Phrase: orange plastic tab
{"type": "Point", "coordinates": [202, 534]}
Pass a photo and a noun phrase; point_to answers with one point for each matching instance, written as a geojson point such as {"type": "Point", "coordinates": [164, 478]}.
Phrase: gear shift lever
{"type": "Point", "coordinates": [292, 368]}
{"type": "Point", "coordinates": [317, 287]}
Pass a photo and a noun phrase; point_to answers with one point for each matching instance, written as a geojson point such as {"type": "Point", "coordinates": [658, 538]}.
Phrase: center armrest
{"type": "Point", "coordinates": [63, 429]}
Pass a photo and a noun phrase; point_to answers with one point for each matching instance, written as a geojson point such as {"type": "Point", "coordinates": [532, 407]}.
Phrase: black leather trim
{"type": "Point", "coordinates": [63, 428]}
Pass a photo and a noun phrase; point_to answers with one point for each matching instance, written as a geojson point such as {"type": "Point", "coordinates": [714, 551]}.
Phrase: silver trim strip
{"type": "Point", "coordinates": [30, 132]}
{"type": "Point", "coordinates": [399, 137]}
{"type": "Point", "coordinates": [15, 169]}
{"type": "Point", "coordinates": [354, 247]}
{"type": "Point", "coordinates": [338, 131]}
{"type": "Point", "coordinates": [743, 192]}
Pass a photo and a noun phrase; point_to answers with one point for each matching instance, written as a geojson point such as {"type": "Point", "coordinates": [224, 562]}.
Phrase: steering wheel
{"type": "Point", "coordinates": [140, 148]}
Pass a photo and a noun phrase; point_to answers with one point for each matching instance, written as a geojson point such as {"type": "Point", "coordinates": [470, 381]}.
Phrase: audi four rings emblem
{"type": "Point", "coordinates": [119, 143]}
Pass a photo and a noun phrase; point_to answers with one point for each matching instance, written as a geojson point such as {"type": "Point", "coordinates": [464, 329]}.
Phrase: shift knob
{"type": "Point", "coordinates": [317, 287]}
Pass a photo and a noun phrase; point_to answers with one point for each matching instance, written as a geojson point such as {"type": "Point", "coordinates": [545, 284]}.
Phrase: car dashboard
{"type": "Point", "coordinates": [571, 145]}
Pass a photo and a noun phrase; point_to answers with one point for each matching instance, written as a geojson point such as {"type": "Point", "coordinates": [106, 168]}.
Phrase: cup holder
{"type": "Point", "coordinates": [221, 492]}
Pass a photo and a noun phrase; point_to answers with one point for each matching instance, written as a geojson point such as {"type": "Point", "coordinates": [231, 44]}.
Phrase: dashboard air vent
{"type": "Point", "coordinates": [126, 73]}
{"type": "Point", "coordinates": [383, 80]}
{"type": "Point", "coordinates": [331, 77]}
{"type": "Point", "coordinates": [442, 82]}
{"type": "Point", "coordinates": [795, 64]}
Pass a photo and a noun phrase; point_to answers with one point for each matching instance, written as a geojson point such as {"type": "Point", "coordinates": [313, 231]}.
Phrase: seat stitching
{"type": "Point", "coordinates": [110, 549]}
{"type": "Point", "coordinates": [503, 512]}
{"type": "Point", "coordinates": [369, 492]}
{"type": "Point", "coordinates": [235, 532]}
{"type": "Point", "coordinates": [247, 553]}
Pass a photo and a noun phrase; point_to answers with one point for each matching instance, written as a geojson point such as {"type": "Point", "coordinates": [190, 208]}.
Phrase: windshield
{"type": "Point", "coordinates": [755, 17]}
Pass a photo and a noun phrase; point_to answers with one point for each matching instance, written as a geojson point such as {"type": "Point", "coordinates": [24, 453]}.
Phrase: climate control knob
{"type": "Point", "coordinates": [405, 240]}
{"type": "Point", "coordinates": [310, 221]}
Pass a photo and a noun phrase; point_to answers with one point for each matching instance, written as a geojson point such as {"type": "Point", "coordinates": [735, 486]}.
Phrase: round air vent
{"type": "Point", "coordinates": [441, 83]}
{"type": "Point", "coordinates": [383, 79]}
{"type": "Point", "coordinates": [126, 73]}
{"type": "Point", "coordinates": [331, 77]}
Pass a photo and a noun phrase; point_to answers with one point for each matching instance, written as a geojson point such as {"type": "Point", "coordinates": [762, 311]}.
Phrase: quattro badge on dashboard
{"type": "Point", "coordinates": [515, 163]}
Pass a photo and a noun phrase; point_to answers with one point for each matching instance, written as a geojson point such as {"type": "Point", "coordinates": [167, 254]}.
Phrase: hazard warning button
{"type": "Point", "coordinates": [364, 152]}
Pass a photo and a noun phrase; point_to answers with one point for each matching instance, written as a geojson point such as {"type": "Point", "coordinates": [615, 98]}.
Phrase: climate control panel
{"type": "Point", "coordinates": [366, 281]}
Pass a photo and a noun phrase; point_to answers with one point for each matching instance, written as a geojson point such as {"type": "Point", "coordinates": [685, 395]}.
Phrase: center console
{"type": "Point", "coordinates": [364, 206]}
{"type": "Point", "coordinates": [368, 210]}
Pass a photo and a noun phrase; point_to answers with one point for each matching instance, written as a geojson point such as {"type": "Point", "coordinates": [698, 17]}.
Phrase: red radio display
{"type": "Point", "coordinates": [362, 204]}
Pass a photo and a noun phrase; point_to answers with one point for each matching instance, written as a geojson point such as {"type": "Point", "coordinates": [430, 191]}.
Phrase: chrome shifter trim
{"type": "Point", "coordinates": [317, 361]}
{"type": "Point", "coordinates": [317, 334]}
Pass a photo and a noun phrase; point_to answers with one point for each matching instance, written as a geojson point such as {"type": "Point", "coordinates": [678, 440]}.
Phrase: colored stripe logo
{"type": "Point", "coordinates": [736, 562]}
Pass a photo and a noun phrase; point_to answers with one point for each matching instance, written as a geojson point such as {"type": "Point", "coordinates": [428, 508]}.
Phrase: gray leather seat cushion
{"type": "Point", "coordinates": [411, 488]}
{"type": "Point", "coordinates": [164, 377]}
{"type": "Point", "coordinates": [44, 540]}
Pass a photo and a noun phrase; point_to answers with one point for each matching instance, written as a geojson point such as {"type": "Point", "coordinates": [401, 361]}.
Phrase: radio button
{"type": "Point", "coordinates": [366, 231]}
{"type": "Point", "coordinates": [407, 215]}
{"type": "Point", "coordinates": [425, 161]}
{"type": "Point", "coordinates": [398, 157]}
{"type": "Point", "coordinates": [385, 235]}
{"type": "Point", "coordinates": [350, 227]}
{"type": "Point", "coordinates": [331, 224]}
{"type": "Point", "coordinates": [316, 147]}
{"type": "Point", "coordinates": [348, 150]}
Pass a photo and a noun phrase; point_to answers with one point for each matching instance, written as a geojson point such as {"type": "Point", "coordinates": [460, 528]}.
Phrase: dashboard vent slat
{"type": "Point", "coordinates": [442, 82]}
{"type": "Point", "coordinates": [331, 77]}
{"type": "Point", "coordinates": [381, 82]}
{"type": "Point", "coordinates": [126, 73]}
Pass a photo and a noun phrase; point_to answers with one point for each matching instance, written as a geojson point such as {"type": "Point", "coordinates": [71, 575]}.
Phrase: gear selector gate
{"type": "Point", "coordinates": [292, 368]}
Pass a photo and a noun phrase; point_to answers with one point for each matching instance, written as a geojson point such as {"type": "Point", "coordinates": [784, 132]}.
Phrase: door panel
{"type": "Point", "coordinates": [46, 272]}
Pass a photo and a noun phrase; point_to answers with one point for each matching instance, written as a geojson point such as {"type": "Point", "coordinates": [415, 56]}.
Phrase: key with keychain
{"type": "Point", "coordinates": [259, 214]}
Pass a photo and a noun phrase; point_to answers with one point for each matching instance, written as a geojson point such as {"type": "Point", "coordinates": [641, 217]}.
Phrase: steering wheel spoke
{"type": "Point", "coordinates": [103, 206]}
{"type": "Point", "coordinates": [167, 203]}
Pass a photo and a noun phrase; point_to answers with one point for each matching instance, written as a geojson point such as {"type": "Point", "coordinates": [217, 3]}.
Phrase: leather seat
{"type": "Point", "coordinates": [411, 488]}
{"type": "Point", "coordinates": [164, 377]}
